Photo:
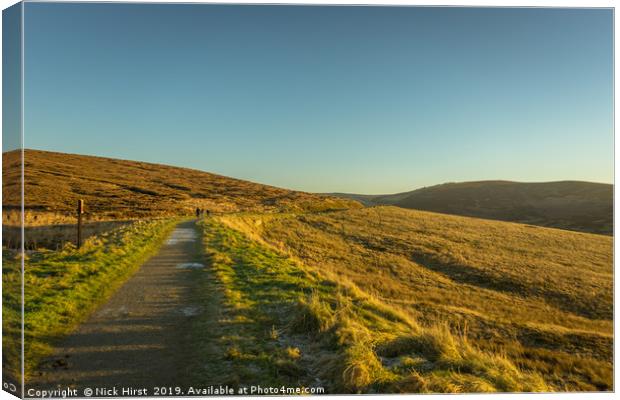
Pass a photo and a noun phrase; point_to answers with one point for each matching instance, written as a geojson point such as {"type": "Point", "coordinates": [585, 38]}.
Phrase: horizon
{"type": "Point", "coordinates": [379, 100]}
{"type": "Point", "coordinates": [334, 192]}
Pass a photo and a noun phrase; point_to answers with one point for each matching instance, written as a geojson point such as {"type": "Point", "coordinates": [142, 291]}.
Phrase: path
{"type": "Point", "coordinates": [140, 337]}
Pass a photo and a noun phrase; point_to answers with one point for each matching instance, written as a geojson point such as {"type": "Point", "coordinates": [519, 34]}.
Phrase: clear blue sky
{"type": "Point", "coordinates": [353, 99]}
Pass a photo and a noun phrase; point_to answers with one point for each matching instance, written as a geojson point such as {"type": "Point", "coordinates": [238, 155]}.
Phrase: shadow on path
{"type": "Point", "coordinates": [141, 336]}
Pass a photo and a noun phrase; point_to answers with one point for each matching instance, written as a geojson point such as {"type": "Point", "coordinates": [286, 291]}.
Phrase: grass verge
{"type": "Point", "coordinates": [543, 298]}
{"type": "Point", "coordinates": [284, 323]}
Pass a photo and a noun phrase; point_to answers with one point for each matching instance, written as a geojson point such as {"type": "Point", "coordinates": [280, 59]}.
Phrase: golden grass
{"type": "Point", "coordinates": [539, 298]}
{"type": "Point", "coordinates": [55, 236]}
{"type": "Point", "coordinates": [573, 205]}
{"type": "Point", "coordinates": [385, 299]}
{"type": "Point", "coordinates": [338, 327]}
{"type": "Point", "coordinates": [119, 189]}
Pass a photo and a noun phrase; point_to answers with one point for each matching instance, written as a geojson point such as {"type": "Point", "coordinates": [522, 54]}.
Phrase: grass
{"type": "Point", "coordinates": [54, 237]}
{"type": "Point", "coordinates": [63, 287]}
{"type": "Point", "coordinates": [240, 342]}
{"type": "Point", "coordinates": [119, 189]}
{"type": "Point", "coordinates": [283, 322]}
{"type": "Point", "coordinates": [531, 300]}
{"type": "Point", "coordinates": [309, 290]}
{"type": "Point", "coordinates": [572, 205]}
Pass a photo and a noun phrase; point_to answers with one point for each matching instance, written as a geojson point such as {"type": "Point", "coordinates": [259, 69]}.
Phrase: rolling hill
{"type": "Point", "coordinates": [358, 300]}
{"type": "Point", "coordinates": [416, 301]}
{"type": "Point", "coordinates": [572, 205]}
{"type": "Point", "coordinates": [115, 189]}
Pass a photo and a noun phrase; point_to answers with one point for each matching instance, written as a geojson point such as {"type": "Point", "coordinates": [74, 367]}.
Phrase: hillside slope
{"type": "Point", "coordinates": [115, 188]}
{"type": "Point", "coordinates": [573, 205]}
{"type": "Point", "coordinates": [540, 297]}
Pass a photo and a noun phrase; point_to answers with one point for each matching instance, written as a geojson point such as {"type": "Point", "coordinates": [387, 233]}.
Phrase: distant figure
{"type": "Point", "coordinates": [197, 212]}
{"type": "Point", "coordinates": [208, 212]}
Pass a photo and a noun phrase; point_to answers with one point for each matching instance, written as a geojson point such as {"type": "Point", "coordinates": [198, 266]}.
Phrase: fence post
{"type": "Point", "coordinates": [80, 211]}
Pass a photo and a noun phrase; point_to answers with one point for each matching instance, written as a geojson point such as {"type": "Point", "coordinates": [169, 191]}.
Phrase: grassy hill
{"type": "Point", "coordinates": [117, 189]}
{"type": "Point", "coordinates": [404, 300]}
{"type": "Point", "coordinates": [573, 205]}
{"type": "Point", "coordinates": [312, 290]}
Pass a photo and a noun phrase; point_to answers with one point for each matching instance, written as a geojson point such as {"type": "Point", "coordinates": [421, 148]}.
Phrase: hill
{"type": "Point", "coordinates": [572, 205]}
{"type": "Point", "coordinates": [358, 299]}
{"type": "Point", "coordinates": [115, 189]}
{"type": "Point", "coordinates": [432, 302]}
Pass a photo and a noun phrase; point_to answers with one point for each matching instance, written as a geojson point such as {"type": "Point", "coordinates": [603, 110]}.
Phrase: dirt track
{"type": "Point", "coordinates": [140, 337]}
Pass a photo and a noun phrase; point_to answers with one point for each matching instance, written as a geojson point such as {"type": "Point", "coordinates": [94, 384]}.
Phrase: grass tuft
{"type": "Point", "coordinates": [352, 341]}
{"type": "Point", "coordinates": [312, 315]}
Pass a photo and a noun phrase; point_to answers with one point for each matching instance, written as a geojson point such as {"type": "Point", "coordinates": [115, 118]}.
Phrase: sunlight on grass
{"type": "Point", "coordinates": [346, 339]}
{"type": "Point", "coordinates": [63, 287]}
{"type": "Point", "coordinates": [541, 298]}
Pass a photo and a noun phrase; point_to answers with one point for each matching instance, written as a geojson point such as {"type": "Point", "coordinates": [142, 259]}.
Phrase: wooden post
{"type": "Point", "coordinates": [80, 211]}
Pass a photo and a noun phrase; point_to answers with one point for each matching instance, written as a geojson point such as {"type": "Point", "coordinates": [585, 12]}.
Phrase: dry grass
{"type": "Point", "coordinates": [118, 189]}
{"type": "Point", "coordinates": [12, 218]}
{"type": "Point", "coordinates": [573, 205]}
{"type": "Point", "coordinates": [54, 237]}
{"type": "Point", "coordinates": [367, 300]}
{"type": "Point", "coordinates": [539, 298]}
{"type": "Point", "coordinates": [337, 328]}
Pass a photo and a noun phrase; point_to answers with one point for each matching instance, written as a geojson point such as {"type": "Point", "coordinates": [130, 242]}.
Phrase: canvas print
{"type": "Point", "coordinates": [208, 199]}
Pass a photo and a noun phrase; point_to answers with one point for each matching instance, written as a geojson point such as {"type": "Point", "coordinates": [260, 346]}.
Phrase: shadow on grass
{"type": "Point", "coordinates": [245, 338]}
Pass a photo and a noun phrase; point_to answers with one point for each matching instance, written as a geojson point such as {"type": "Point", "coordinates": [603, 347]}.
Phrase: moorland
{"type": "Point", "coordinates": [308, 289]}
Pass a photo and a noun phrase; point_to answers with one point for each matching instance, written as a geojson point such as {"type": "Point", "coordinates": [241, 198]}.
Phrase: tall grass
{"type": "Point", "coordinates": [540, 298]}
{"type": "Point", "coordinates": [350, 341]}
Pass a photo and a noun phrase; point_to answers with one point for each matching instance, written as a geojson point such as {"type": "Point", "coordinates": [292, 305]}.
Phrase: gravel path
{"type": "Point", "coordinates": [140, 337]}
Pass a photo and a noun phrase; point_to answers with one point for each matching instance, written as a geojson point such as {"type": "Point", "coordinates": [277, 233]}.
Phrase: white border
{"type": "Point", "coordinates": [478, 3]}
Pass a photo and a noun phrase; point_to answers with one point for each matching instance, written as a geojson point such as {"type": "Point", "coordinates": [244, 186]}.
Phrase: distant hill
{"type": "Point", "coordinates": [115, 188]}
{"type": "Point", "coordinates": [572, 205]}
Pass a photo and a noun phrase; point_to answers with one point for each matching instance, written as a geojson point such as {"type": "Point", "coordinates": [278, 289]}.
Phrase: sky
{"type": "Point", "coordinates": [325, 99]}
